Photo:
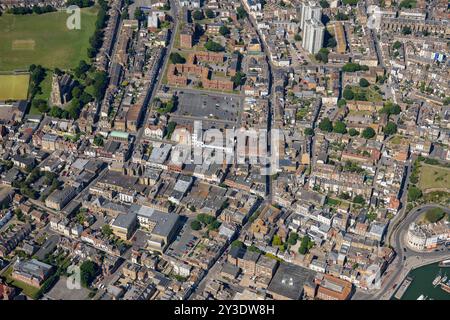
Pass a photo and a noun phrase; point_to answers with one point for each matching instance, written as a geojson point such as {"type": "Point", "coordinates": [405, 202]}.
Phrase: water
{"type": "Point", "coordinates": [422, 283]}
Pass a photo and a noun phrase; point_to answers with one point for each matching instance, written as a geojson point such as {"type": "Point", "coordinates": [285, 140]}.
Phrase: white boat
{"type": "Point", "coordinates": [422, 297]}
{"type": "Point", "coordinates": [445, 263]}
{"type": "Point", "coordinates": [444, 278]}
{"type": "Point", "coordinates": [437, 280]}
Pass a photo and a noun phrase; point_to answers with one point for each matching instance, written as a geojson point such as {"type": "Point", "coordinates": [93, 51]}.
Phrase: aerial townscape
{"type": "Point", "coordinates": [335, 117]}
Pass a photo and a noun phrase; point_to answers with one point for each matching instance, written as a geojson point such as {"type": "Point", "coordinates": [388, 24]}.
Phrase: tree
{"type": "Point", "coordinates": [223, 30]}
{"type": "Point", "coordinates": [98, 140]}
{"type": "Point", "coordinates": [434, 215]}
{"type": "Point", "coordinates": [170, 128]}
{"type": "Point", "coordinates": [305, 245]}
{"type": "Point", "coordinates": [40, 105]}
{"type": "Point", "coordinates": [390, 128]}
{"type": "Point", "coordinates": [241, 13]}
{"type": "Point", "coordinates": [354, 67]}
{"type": "Point", "coordinates": [237, 244]}
{"type": "Point", "coordinates": [397, 45]}
{"type": "Point", "coordinates": [308, 131]}
{"type": "Point", "coordinates": [406, 30]}
{"type": "Point", "coordinates": [326, 125]}
{"type": "Point", "coordinates": [100, 82]}
{"type": "Point", "coordinates": [292, 239]}
{"type": "Point", "coordinates": [139, 14]}
{"type": "Point", "coordinates": [215, 225]}
{"type": "Point", "coordinates": [196, 225]}
{"type": "Point", "coordinates": [329, 40]}
{"type": "Point", "coordinates": [19, 214]}
{"type": "Point", "coordinates": [340, 16]}
{"type": "Point", "coordinates": [254, 248]}
{"type": "Point", "coordinates": [340, 127]}
{"type": "Point", "coordinates": [214, 46]}
{"type": "Point", "coordinates": [414, 193]}
{"type": "Point", "coordinates": [344, 195]}
{"type": "Point", "coordinates": [353, 132]}
{"type": "Point", "coordinates": [106, 230]}
{"type": "Point", "coordinates": [350, 2]}
{"type": "Point", "coordinates": [408, 4]}
{"type": "Point", "coordinates": [198, 15]}
{"type": "Point", "coordinates": [359, 199]}
{"type": "Point", "coordinates": [205, 218]}
{"type": "Point", "coordinates": [363, 83]}
{"type": "Point", "coordinates": [238, 79]}
{"type": "Point", "coordinates": [276, 241]}
{"type": "Point", "coordinates": [324, 4]}
{"type": "Point", "coordinates": [348, 93]}
{"type": "Point", "coordinates": [175, 58]}
{"type": "Point", "coordinates": [297, 37]}
{"type": "Point", "coordinates": [322, 55]}
{"type": "Point", "coordinates": [390, 108]}
{"type": "Point", "coordinates": [209, 13]}
{"type": "Point", "coordinates": [88, 271]}
{"type": "Point", "coordinates": [81, 69]}
{"type": "Point", "coordinates": [368, 133]}
{"type": "Point", "coordinates": [341, 103]}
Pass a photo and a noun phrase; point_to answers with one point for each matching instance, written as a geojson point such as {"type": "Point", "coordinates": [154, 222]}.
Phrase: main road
{"type": "Point", "coordinates": [166, 53]}
{"type": "Point", "coordinates": [406, 258]}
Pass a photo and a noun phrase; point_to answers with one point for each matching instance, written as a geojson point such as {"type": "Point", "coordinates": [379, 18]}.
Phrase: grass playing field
{"type": "Point", "coordinates": [14, 87]}
{"type": "Point", "coordinates": [431, 177]}
{"type": "Point", "coordinates": [44, 39]}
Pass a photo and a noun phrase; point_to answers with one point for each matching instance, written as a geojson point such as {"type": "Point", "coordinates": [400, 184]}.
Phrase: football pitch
{"type": "Point", "coordinates": [44, 39]}
{"type": "Point", "coordinates": [14, 86]}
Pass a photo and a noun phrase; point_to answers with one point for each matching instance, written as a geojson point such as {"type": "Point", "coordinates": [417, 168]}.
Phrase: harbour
{"type": "Point", "coordinates": [430, 282]}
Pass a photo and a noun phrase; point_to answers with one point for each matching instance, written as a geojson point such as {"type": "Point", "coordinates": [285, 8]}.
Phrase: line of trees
{"type": "Point", "coordinates": [96, 40]}
{"type": "Point", "coordinates": [31, 10]}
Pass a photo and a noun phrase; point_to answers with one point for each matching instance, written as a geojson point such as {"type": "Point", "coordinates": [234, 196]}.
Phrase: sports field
{"type": "Point", "coordinates": [434, 177]}
{"type": "Point", "coordinates": [44, 39]}
{"type": "Point", "coordinates": [14, 87]}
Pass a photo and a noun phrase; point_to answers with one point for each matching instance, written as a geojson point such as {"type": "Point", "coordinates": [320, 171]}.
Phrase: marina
{"type": "Point", "coordinates": [429, 282]}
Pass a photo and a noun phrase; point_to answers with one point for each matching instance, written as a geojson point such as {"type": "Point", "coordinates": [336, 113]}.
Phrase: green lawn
{"type": "Point", "coordinates": [433, 177]}
{"type": "Point", "coordinates": [46, 86]}
{"type": "Point", "coordinates": [14, 87]}
{"type": "Point", "coordinates": [44, 39]}
{"type": "Point", "coordinates": [28, 290]}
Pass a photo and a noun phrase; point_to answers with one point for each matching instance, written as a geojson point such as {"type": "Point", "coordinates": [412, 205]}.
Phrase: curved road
{"type": "Point", "coordinates": [405, 256]}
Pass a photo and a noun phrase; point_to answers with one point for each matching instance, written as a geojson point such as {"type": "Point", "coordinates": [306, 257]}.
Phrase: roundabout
{"type": "Point", "coordinates": [406, 258]}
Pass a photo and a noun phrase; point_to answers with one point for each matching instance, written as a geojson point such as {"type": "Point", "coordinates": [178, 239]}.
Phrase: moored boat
{"type": "Point", "coordinates": [436, 281]}
{"type": "Point", "coordinates": [446, 286]}
{"type": "Point", "coordinates": [445, 263]}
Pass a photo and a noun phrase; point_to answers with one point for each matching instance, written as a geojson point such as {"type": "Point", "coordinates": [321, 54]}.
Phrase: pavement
{"type": "Point", "coordinates": [154, 86]}
{"type": "Point", "coordinates": [406, 259]}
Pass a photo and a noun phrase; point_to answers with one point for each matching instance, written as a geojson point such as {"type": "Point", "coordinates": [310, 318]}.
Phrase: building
{"type": "Point", "coordinates": [6, 292]}
{"type": "Point", "coordinates": [313, 35]}
{"type": "Point", "coordinates": [332, 288]}
{"type": "Point", "coordinates": [58, 199]}
{"type": "Point", "coordinates": [191, 4]}
{"type": "Point", "coordinates": [309, 10]}
{"type": "Point", "coordinates": [288, 282]}
{"type": "Point", "coordinates": [428, 236]}
{"type": "Point", "coordinates": [161, 226]}
{"type": "Point", "coordinates": [187, 37]}
{"type": "Point", "coordinates": [124, 225]}
{"type": "Point", "coordinates": [32, 272]}
{"type": "Point", "coordinates": [61, 89]}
